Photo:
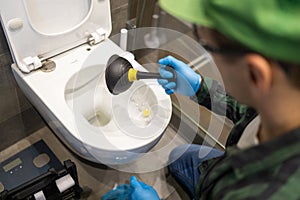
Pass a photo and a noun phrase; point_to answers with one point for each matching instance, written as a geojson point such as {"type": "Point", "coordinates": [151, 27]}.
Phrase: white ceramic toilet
{"type": "Point", "coordinates": [60, 50]}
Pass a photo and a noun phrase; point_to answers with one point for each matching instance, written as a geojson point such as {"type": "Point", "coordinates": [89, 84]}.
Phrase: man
{"type": "Point", "coordinates": [256, 47]}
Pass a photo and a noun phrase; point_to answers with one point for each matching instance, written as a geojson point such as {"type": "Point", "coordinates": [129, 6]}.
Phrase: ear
{"type": "Point", "coordinates": [260, 72]}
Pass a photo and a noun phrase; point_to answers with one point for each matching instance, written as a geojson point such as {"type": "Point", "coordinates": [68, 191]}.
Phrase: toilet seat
{"type": "Point", "coordinates": [32, 42]}
{"type": "Point", "coordinates": [64, 20]}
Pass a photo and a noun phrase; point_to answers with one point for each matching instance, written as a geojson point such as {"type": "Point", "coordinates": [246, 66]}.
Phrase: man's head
{"type": "Point", "coordinates": [269, 27]}
{"type": "Point", "coordinates": [264, 34]}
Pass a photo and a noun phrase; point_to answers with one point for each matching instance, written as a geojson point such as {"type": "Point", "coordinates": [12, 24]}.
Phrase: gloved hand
{"type": "Point", "coordinates": [142, 191]}
{"type": "Point", "coordinates": [187, 81]}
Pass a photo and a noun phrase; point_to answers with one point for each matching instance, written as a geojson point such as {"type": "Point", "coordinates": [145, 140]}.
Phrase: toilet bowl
{"type": "Point", "coordinates": [59, 64]}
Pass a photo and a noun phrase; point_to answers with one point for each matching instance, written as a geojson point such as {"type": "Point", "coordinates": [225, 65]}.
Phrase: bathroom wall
{"type": "Point", "coordinates": [18, 118]}
{"type": "Point", "coordinates": [119, 15]}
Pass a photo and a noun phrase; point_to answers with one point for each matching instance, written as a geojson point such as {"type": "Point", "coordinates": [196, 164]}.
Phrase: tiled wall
{"type": "Point", "coordinates": [17, 116]}
{"type": "Point", "coordinates": [9, 104]}
{"type": "Point", "coordinates": [119, 15]}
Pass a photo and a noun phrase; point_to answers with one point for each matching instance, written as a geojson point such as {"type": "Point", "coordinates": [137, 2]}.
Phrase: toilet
{"type": "Point", "coordinates": [60, 50]}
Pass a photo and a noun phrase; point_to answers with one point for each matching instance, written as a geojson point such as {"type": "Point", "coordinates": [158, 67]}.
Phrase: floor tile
{"type": "Point", "coordinates": [99, 178]}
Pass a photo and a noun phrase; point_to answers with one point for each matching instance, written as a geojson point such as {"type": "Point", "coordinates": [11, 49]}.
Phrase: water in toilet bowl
{"type": "Point", "coordinates": [101, 115]}
{"type": "Point", "coordinates": [140, 106]}
{"type": "Point", "coordinates": [140, 113]}
{"type": "Point", "coordinates": [86, 93]}
{"type": "Point", "coordinates": [99, 119]}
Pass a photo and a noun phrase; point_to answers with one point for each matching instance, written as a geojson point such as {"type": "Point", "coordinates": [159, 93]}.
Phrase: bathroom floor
{"type": "Point", "coordinates": [96, 180]}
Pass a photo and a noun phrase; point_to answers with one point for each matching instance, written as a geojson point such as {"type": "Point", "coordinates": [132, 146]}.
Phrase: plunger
{"type": "Point", "coordinates": [119, 74]}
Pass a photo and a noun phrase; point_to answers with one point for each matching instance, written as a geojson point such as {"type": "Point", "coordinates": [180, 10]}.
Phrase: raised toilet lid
{"type": "Point", "coordinates": [39, 29]}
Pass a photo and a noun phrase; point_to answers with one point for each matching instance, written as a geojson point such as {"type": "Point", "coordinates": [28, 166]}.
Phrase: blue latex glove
{"type": "Point", "coordinates": [121, 192]}
{"type": "Point", "coordinates": [142, 191]}
{"type": "Point", "coordinates": [187, 81]}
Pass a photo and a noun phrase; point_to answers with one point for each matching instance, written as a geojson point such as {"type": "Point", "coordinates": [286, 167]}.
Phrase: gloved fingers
{"type": "Point", "coordinates": [166, 84]}
{"type": "Point", "coordinates": [169, 91]}
{"type": "Point", "coordinates": [165, 73]}
{"type": "Point", "coordinates": [144, 185]}
{"type": "Point", "coordinates": [134, 182]}
{"type": "Point", "coordinates": [168, 60]}
{"type": "Point", "coordinates": [169, 85]}
{"type": "Point", "coordinates": [171, 61]}
{"type": "Point", "coordinates": [141, 191]}
{"type": "Point", "coordinates": [162, 81]}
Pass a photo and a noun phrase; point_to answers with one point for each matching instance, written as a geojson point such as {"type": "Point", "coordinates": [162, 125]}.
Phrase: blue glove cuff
{"type": "Point", "coordinates": [197, 86]}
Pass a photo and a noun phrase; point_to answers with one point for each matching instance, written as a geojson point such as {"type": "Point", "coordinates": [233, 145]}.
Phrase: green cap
{"type": "Point", "coordinates": [270, 27]}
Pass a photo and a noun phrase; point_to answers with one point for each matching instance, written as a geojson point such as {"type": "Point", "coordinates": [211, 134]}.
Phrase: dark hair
{"type": "Point", "coordinates": [291, 70]}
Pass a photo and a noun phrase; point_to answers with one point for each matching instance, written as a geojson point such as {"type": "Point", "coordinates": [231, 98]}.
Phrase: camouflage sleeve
{"type": "Point", "coordinates": [213, 96]}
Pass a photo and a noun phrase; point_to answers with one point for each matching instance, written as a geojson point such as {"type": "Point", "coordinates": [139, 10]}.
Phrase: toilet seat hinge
{"type": "Point", "coordinates": [32, 63]}
{"type": "Point", "coordinates": [97, 36]}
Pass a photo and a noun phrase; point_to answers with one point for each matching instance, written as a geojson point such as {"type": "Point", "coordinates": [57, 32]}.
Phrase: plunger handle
{"type": "Point", "coordinates": [137, 75]}
{"type": "Point", "coordinates": [147, 75]}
